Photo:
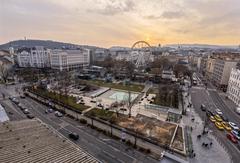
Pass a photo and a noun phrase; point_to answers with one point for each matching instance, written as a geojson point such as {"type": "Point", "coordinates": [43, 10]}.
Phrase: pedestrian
{"type": "Point", "coordinates": [211, 144]}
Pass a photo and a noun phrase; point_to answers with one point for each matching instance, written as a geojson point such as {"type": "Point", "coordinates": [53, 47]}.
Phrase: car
{"type": "Point", "coordinates": [46, 111]}
{"type": "Point", "coordinates": [233, 125]}
{"type": "Point", "coordinates": [82, 103]}
{"type": "Point", "coordinates": [30, 116]}
{"type": "Point", "coordinates": [203, 107]}
{"type": "Point", "coordinates": [73, 136]}
{"type": "Point", "coordinates": [22, 96]}
{"type": "Point", "coordinates": [93, 101]}
{"type": "Point", "coordinates": [212, 119]}
{"type": "Point", "coordinates": [226, 126]}
{"type": "Point", "coordinates": [219, 125]}
{"type": "Point", "coordinates": [218, 111]}
{"type": "Point", "coordinates": [231, 137]}
{"type": "Point", "coordinates": [50, 110]}
{"type": "Point", "coordinates": [15, 101]}
{"type": "Point", "coordinates": [236, 134]}
{"type": "Point", "coordinates": [123, 109]}
{"type": "Point", "coordinates": [58, 114]}
{"type": "Point", "coordinates": [209, 113]}
{"type": "Point", "coordinates": [218, 118]}
{"type": "Point", "coordinates": [26, 111]}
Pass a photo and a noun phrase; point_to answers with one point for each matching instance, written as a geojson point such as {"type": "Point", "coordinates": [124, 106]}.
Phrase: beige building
{"type": "Point", "coordinates": [69, 59]}
{"type": "Point", "coordinates": [233, 90]}
{"type": "Point", "coordinates": [221, 72]}
{"type": "Point", "coordinates": [210, 67]}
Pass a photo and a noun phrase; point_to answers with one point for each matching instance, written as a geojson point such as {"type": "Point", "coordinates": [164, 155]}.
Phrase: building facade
{"type": "Point", "coordinates": [233, 90]}
{"type": "Point", "coordinates": [221, 72]}
{"type": "Point", "coordinates": [210, 67]}
{"type": "Point", "coordinates": [33, 57]}
{"type": "Point", "coordinates": [69, 59]}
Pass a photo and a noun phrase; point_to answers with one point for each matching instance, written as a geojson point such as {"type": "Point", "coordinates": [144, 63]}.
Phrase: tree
{"type": "Point", "coordinates": [130, 103]}
{"type": "Point", "coordinates": [181, 69]}
{"type": "Point", "coordinates": [4, 71]}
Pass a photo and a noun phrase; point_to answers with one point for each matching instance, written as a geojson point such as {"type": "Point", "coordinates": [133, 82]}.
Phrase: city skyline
{"type": "Point", "coordinates": [107, 23]}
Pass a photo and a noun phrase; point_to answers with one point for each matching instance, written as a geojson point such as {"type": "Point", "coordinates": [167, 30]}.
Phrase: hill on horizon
{"type": "Point", "coordinates": [45, 43]}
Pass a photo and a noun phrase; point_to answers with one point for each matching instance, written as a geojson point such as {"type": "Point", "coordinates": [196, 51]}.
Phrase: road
{"type": "Point", "coordinates": [95, 143]}
{"type": "Point", "coordinates": [202, 96]}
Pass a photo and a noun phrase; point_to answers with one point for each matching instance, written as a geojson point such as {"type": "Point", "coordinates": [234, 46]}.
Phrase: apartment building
{"type": "Point", "coordinates": [210, 67]}
{"type": "Point", "coordinates": [69, 59]}
{"type": "Point", "coordinates": [221, 72]}
{"type": "Point", "coordinates": [33, 57]}
{"type": "Point", "coordinates": [233, 89]}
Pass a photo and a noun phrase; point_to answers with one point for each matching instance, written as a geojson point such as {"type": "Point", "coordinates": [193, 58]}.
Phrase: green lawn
{"type": "Point", "coordinates": [102, 114]}
{"type": "Point", "coordinates": [67, 100]}
{"type": "Point", "coordinates": [129, 87]}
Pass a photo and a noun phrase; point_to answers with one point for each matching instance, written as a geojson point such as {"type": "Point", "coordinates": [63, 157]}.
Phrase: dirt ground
{"type": "Point", "coordinates": [160, 131]}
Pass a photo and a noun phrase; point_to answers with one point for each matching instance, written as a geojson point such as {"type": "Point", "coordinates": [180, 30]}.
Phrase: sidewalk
{"type": "Point", "coordinates": [216, 152]}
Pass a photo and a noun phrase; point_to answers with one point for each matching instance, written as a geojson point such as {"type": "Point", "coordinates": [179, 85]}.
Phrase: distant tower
{"type": "Point", "coordinates": [11, 52]}
{"type": "Point", "coordinates": [25, 38]}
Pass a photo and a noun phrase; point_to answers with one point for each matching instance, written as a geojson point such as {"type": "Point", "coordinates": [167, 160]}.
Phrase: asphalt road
{"type": "Point", "coordinates": [95, 143]}
{"type": "Point", "coordinates": [202, 96]}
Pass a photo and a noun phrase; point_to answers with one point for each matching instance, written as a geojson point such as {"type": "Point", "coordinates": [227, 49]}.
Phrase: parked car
{"type": "Point", "coordinates": [123, 109]}
{"type": "Point", "coordinates": [219, 126]}
{"type": "Point", "coordinates": [236, 134]}
{"type": "Point", "coordinates": [82, 103]}
{"type": "Point", "coordinates": [22, 96]}
{"type": "Point", "coordinates": [233, 125]}
{"type": "Point", "coordinates": [226, 126]}
{"type": "Point", "coordinates": [209, 113]}
{"type": "Point", "coordinates": [30, 116]}
{"type": "Point", "coordinates": [26, 111]}
{"type": "Point", "coordinates": [58, 114]}
{"type": "Point", "coordinates": [237, 110]}
{"type": "Point", "coordinates": [218, 118]}
{"type": "Point", "coordinates": [93, 101]}
{"type": "Point", "coordinates": [73, 136]}
{"type": "Point", "coordinates": [203, 107]}
{"type": "Point", "coordinates": [212, 119]}
{"type": "Point", "coordinates": [50, 110]}
{"type": "Point", "coordinates": [15, 101]}
{"type": "Point", "coordinates": [232, 138]}
{"type": "Point", "coordinates": [218, 111]}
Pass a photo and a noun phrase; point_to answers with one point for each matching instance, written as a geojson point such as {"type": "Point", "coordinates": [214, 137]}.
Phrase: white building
{"type": "Point", "coordinates": [33, 57]}
{"type": "Point", "coordinates": [234, 86]}
{"type": "Point", "coordinates": [69, 59]}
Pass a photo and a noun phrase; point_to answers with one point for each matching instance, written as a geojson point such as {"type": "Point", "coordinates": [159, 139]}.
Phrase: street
{"type": "Point", "coordinates": [212, 101]}
{"type": "Point", "coordinates": [94, 142]}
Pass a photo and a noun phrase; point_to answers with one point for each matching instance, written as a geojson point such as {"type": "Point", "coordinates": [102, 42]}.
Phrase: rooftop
{"type": "Point", "coordinates": [33, 141]}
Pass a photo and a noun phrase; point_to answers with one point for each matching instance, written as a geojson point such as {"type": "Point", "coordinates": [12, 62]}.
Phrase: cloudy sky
{"type": "Point", "coordinates": [122, 22]}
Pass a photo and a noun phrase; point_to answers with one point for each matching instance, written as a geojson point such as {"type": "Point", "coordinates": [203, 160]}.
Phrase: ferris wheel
{"type": "Point", "coordinates": [140, 53]}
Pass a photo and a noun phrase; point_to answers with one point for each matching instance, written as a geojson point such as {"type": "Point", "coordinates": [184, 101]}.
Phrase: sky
{"type": "Point", "coordinates": [109, 23]}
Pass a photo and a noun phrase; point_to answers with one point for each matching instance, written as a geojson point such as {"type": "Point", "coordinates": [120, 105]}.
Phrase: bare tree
{"type": "Point", "coordinates": [4, 71]}
{"type": "Point", "coordinates": [130, 103]}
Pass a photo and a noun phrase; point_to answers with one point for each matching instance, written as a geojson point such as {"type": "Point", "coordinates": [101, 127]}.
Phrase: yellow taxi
{"type": "Point", "coordinates": [219, 126]}
{"type": "Point", "coordinates": [226, 126]}
{"type": "Point", "coordinates": [212, 119]}
{"type": "Point", "coordinates": [218, 118]}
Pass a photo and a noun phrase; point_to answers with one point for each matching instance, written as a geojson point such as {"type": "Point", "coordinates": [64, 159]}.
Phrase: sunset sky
{"type": "Point", "coordinates": [109, 23]}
